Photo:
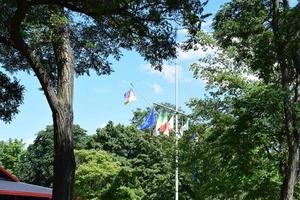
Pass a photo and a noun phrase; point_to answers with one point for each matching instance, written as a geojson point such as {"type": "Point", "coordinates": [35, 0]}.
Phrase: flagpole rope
{"type": "Point", "coordinates": [145, 99]}
{"type": "Point", "coordinates": [157, 104]}
{"type": "Point", "coordinates": [163, 106]}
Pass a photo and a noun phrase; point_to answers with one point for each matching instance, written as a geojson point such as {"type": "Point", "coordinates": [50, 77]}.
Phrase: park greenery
{"type": "Point", "coordinates": [56, 40]}
{"type": "Point", "coordinates": [243, 139]}
{"type": "Point", "coordinates": [235, 156]}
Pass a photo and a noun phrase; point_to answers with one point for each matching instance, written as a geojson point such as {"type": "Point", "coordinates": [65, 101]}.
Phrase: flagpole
{"type": "Point", "coordinates": [176, 130]}
{"type": "Point", "coordinates": [171, 109]}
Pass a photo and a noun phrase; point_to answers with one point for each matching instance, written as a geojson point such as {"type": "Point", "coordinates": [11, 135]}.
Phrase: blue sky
{"type": "Point", "coordinates": [98, 99]}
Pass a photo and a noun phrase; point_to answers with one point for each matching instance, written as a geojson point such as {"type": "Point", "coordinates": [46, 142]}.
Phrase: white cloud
{"type": "Point", "coordinates": [102, 90]}
{"type": "Point", "coordinates": [194, 55]}
{"type": "Point", "coordinates": [168, 70]}
{"type": "Point", "coordinates": [167, 73]}
{"type": "Point", "coordinates": [157, 89]}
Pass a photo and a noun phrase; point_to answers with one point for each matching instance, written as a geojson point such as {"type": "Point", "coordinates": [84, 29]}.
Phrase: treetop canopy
{"type": "Point", "coordinates": [98, 29]}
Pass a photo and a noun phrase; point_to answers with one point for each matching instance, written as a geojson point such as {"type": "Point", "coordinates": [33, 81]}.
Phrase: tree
{"type": "Point", "coordinates": [37, 164]}
{"type": "Point", "coordinates": [241, 136]}
{"type": "Point", "coordinates": [109, 177]}
{"type": "Point", "coordinates": [11, 97]}
{"type": "Point", "coordinates": [12, 154]}
{"type": "Point", "coordinates": [138, 166]}
{"type": "Point", "coordinates": [261, 33]}
{"type": "Point", "coordinates": [56, 39]}
{"type": "Point", "coordinates": [151, 158]}
{"type": "Point", "coordinates": [238, 152]}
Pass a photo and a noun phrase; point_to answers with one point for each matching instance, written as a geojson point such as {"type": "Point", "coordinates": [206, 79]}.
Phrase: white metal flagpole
{"type": "Point", "coordinates": [176, 128]}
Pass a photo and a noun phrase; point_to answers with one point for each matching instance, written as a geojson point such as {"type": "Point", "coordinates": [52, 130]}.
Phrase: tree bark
{"type": "Point", "coordinates": [290, 178]}
{"type": "Point", "coordinates": [290, 132]}
{"type": "Point", "coordinates": [60, 99]}
{"type": "Point", "coordinates": [64, 159]}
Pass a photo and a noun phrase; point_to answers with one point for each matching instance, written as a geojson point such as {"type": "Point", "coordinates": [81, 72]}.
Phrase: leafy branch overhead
{"type": "Point", "coordinates": [56, 39]}
{"type": "Point", "coordinates": [99, 29]}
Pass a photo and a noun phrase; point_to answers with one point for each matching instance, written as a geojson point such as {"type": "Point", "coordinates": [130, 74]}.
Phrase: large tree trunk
{"type": "Point", "coordinates": [64, 159]}
{"type": "Point", "coordinates": [292, 121]}
{"type": "Point", "coordinates": [290, 131]}
{"type": "Point", "coordinates": [290, 178]}
{"type": "Point", "coordinates": [293, 139]}
{"type": "Point", "coordinates": [59, 97]}
{"type": "Point", "coordinates": [291, 134]}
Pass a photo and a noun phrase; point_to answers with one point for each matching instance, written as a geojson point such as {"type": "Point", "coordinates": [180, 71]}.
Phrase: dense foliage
{"type": "Point", "coordinates": [11, 96]}
{"type": "Point", "coordinates": [243, 140]}
{"type": "Point", "coordinates": [37, 165]}
{"type": "Point", "coordinates": [12, 154]}
{"type": "Point", "coordinates": [57, 39]}
{"type": "Point", "coordinates": [234, 153]}
{"type": "Point", "coordinates": [239, 156]}
{"type": "Point", "coordinates": [101, 175]}
{"type": "Point", "coordinates": [265, 38]}
{"type": "Point", "coordinates": [121, 161]}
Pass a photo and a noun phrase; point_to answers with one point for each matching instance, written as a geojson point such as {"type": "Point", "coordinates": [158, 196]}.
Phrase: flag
{"type": "Point", "coordinates": [158, 124]}
{"type": "Point", "coordinates": [170, 126]}
{"type": "Point", "coordinates": [149, 121]}
{"type": "Point", "coordinates": [129, 97]}
{"type": "Point", "coordinates": [183, 128]}
{"type": "Point", "coordinates": [164, 123]}
{"type": "Point", "coordinates": [179, 134]}
{"type": "Point", "coordinates": [161, 122]}
{"type": "Point", "coordinates": [154, 133]}
{"type": "Point", "coordinates": [186, 126]}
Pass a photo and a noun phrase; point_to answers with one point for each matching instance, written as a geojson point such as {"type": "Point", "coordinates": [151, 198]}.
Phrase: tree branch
{"type": "Point", "coordinates": [20, 45]}
{"type": "Point", "coordinates": [86, 9]}
{"type": "Point", "coordinates": [5, 41]}
{"type": "Point", "coordinates": [71, 5]}
{"type": "Point", "coordinates": [286, 4]}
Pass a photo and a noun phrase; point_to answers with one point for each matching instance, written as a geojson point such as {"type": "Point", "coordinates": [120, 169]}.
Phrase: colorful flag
{"type": "Point", "coordinates": [161, 122]}
{"type": "Point", "coordinates": [158, 124]}
{"type": "Point", "coordinates": [164, 123]}
{"type": "Point", "coordinates": [149, 121]}
{"type": "Point", "coordinates": [170, 126]}
{"type": "Point", "coordinates": [129, 97]}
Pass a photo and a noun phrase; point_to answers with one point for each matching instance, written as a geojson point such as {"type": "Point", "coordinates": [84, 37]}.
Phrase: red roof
{"type": "Point", "coordinates": [10, 185]}
{"type": "Point", "coordinates": [4, 174]}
